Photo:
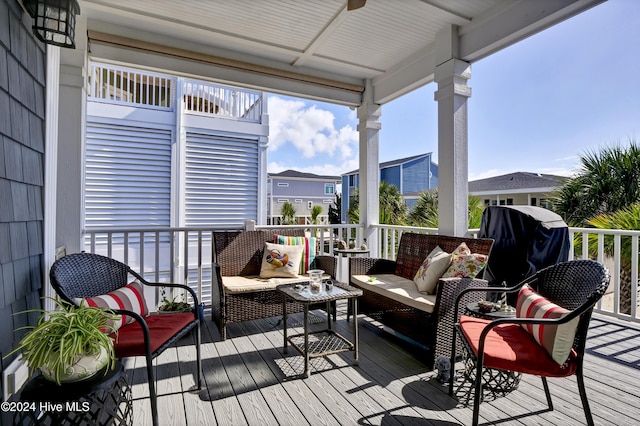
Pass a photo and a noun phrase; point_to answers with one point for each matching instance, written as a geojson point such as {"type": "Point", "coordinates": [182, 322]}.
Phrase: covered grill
{"type": "Point", "coordinates": [527, 239]}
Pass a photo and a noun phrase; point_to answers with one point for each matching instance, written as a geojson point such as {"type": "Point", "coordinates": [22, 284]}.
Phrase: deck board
{"type": "Point", "coordinates": [247, 380]}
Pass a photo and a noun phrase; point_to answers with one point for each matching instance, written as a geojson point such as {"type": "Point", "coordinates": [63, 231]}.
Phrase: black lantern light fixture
{"type": "Point", "coordinates": [54, 20]}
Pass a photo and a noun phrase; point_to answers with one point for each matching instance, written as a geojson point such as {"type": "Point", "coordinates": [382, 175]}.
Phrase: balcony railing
{"type": "Point", "coordinates": [186, 255]}
{"type": "Point", "coordinates": [144, 89]}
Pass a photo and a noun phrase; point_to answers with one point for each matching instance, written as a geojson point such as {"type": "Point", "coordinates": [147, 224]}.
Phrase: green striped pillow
{"type": "Point", "coordinates": [308, 253]}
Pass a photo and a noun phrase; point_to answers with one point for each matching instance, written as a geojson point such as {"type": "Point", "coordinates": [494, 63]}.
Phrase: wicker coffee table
{"type": "Point", "coordinates": [324, 342]}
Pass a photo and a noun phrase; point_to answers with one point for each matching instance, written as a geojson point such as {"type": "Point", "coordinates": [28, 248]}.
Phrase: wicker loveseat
{"type": "Point", "coordinates": [241, 295]}
{"type": "Point", "coordinates": [391, 297]}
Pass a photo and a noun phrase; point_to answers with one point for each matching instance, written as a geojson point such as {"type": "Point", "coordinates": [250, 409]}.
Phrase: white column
{"type": "Point", "coordinates": [71, 134]}
{"type": "Point", "coordinates": [453, 171]}
{"type": "Point", "coordinates": [263, 143]}
{"type": "Point", "coordinates": [369, 130]}
{"type": "Point", "coordinates": [51, 168]}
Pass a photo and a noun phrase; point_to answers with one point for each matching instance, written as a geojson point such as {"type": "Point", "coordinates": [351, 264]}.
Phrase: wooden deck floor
{"type": "Point", "coordinates": [248, 381]}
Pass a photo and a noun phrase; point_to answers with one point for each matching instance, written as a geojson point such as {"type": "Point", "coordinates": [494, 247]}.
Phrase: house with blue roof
{"type": "Point", "coordinates": [410, 175]}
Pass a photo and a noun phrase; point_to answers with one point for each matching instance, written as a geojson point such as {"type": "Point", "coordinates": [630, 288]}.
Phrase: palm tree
{"type": "Point", "coordinates": [425, 211]}
{"type": "Point", "coordinates": [607, 181]}
{"type": "Point", "coordinates": [604, 194]}
{"type": "Point", "coordinates": [288, 213]}
{"type": "Point", "coordinates": [315, 212]}
{"type": "Point", "coordinates": [393, 211]}
{"type": "Point", "coordinates": [626, 218]}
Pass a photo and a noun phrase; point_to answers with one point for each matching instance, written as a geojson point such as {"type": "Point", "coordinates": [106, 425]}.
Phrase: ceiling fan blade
{"type": "Point", "coordinates": [355, 4]}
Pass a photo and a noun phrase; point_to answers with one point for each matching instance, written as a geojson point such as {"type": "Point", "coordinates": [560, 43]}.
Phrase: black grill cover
{"type": "Point", "coordinates": [527, 239]}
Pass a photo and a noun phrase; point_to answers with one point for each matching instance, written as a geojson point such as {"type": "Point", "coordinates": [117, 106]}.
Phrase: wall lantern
{"type": "Point", "coordinates": [54, 20]}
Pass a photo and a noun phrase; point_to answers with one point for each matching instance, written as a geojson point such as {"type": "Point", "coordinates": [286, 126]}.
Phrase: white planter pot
{"type": "Point", "coordinates": [85, 367]}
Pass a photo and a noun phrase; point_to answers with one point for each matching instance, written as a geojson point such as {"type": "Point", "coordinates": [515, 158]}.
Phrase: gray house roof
{"type": "Point", "coordinates": [517, 180]}
{"type": "Point", "coordinates": [301, 175]}
{"type": "Point", "coordinates": [393, 162]}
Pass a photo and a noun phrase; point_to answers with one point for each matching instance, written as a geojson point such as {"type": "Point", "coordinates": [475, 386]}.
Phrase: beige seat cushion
{"type": "Point", "coordinates": [397, 288]}
{"type": "Point", "coordinates": [248, 284]}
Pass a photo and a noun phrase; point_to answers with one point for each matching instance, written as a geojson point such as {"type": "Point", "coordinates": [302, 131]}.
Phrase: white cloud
{"type": "Point", "coordinates": [310, 130]}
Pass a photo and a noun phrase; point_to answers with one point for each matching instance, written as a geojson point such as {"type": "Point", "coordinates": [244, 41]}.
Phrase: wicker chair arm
{"type": "Point", "coordinates": [370, 266]}
{"type": "Point", "coordinates": [327, 264]}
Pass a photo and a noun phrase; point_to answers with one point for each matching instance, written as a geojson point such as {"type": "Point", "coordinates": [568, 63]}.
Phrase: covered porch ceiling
{"type": "Point", "coordinates": [315, 49]}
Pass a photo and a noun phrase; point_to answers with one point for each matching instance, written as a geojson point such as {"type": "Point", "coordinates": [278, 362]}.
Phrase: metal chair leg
{"type": "Point", "coordinates": [477, 398]}
{"type": "Point", "coordinates": [198, 356]}
{"type": "Point", "coordinates": [583, 396]}
{"type": "Point", "coordinates": [152, 390]}
{"type": "Point", "coordinates": [547, 393]}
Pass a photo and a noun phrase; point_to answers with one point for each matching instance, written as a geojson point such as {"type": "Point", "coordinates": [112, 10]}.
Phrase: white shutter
{"type": "Point", "coordinates": [221, 188]}
{"type": "Point", "coordinates": [127, 176]}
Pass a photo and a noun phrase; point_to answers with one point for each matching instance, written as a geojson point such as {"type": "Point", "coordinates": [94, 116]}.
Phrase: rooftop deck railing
{"type": "Point", "coordinates": [186, 255]}
{"type": "Point", "coordinates": [144, 89]}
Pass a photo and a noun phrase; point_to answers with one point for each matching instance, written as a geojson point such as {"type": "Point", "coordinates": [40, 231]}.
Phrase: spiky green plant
{"type": "Point", "coordinates": [425, 211]}
{"type": "Point", "coordinates": [316, 211]}
{"type": "Point", "coordinates": [608, 180]}
{"type": "Point", "coordinates": [628, 219]}
{"type": "Point", "coordinates": [392, 209]}
{"type": "Point", "coordinates": [62, 335]}
{"type": "Point", "coordinates": [288, 213]}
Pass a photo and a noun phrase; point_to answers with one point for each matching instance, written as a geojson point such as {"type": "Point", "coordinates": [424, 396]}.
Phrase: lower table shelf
{"type": "Point", "coordinates": [321, 343]}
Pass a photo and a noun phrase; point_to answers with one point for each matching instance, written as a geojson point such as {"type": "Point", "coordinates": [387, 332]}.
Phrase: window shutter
{"type": "Point", "coordinates": [127, 176]}
{"type": "Point", "coordinates": [221, 188]}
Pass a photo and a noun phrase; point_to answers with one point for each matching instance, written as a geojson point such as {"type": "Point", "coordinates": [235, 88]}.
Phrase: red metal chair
{"type": "Point", "coordinates": [83, 275]}
{"type": "Point", "coordinates": [504, 344]}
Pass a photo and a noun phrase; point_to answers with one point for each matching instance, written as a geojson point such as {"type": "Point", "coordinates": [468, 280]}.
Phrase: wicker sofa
{"type": "Point", "coordinates": [393, 299]}
{"type": "Point", "coordinates": [241, 295]}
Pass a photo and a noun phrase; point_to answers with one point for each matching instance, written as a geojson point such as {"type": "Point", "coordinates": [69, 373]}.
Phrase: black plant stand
{"type": "Point", "coordinates": [101, 400]}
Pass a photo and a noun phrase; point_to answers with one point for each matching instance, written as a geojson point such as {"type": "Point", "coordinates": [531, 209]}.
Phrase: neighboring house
{"type": "Point", "coordinates": [411, 175]}
{"type": "Point", "coordinates": [520, 188]}
{"type": "Point", "coordinates": [303, 191]}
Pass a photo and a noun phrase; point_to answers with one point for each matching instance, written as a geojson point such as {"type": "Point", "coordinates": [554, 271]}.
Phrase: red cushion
{"type": "Point", "coordinates": [509, 347]}
{"type": "Point", "coordinates": [130, 341]}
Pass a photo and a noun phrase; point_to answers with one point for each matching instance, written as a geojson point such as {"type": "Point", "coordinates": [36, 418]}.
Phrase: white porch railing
{"type": "Point", "coordinates": [186, 255]}
{"type": "Point", "coordinates": [127, 86]}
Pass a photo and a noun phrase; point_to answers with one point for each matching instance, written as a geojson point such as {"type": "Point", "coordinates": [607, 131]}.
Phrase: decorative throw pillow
{"type": "Point", "coordinates": [431, 270]}
{"type": "Point", "coordinates": [280, 260]}
{"type": "Point", "coordinates": [464, 263]}
{"type": "Point", "coordinates": [557, 340]}
{"type": "Point", "coordinates": [129, 297]}
{"type": "Point", "coordinates": [308, 253]}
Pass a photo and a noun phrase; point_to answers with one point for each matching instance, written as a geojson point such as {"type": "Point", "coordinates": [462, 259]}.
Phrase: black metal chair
{"type": "Point", "coordinates": [85, 275]}
{"type": "Point", "coordinates": [504, 344]}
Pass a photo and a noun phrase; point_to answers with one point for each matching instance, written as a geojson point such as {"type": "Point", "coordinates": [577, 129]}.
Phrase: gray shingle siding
{"type": "Point", "coordinates": [22, 100]}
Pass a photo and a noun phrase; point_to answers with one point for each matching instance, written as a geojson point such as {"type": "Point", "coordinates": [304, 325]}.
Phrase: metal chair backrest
{"type": "Point", "coordinates": [87, 275]}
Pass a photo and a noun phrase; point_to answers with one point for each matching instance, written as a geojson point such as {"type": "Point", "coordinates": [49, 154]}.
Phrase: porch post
{"type": "Point", "coordinates": [71, 133]}
{"type": "Point", "coordinates": [453, 171]}
{"type": "Point", "coordinates": [369, 130]}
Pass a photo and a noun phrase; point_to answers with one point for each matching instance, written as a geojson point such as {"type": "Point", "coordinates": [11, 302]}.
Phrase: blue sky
{"type": "Point", "coordinates": [535, 106]}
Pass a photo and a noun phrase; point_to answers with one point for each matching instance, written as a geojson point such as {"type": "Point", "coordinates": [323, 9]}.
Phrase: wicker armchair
{"type": "Point", "coordinates": [431, 329]}
{"type": "Point", "coordinates": [503, 344]}
{"type": "Point", "coordinates": [83, 275]}
{"type": "Point", "coordinates": [239, 253]}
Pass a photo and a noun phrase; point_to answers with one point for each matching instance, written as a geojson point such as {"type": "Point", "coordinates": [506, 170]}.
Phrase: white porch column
{"type": "Point", "coordinates": [453, 171]}
{"type": "Point", "coordinates": [263, 142]}
{"type": "Point", "coordinates": [369, 131]}
{"type": "Point", "coordinates": [71, 133]}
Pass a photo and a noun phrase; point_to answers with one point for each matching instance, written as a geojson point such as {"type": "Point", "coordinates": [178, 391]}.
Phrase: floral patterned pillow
{"type": "Point", "coordinates": [464, 263]}
{"type": "Point", "coordinates": [432, 268]}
